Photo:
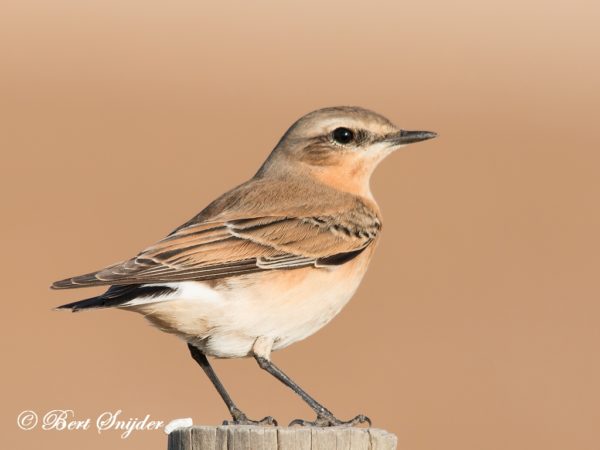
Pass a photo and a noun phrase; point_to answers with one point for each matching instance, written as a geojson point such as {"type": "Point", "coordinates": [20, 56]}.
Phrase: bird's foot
{"type": "Point", "coordinates": [330, 421]}
{"type": "Point", "coordinates": [239, 418]}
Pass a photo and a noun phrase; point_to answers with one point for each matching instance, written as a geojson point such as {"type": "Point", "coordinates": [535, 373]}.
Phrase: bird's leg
{"type": "Point", "coordinates": [239, 418]}
{"type": "Point", "coordinates": [325, 418]}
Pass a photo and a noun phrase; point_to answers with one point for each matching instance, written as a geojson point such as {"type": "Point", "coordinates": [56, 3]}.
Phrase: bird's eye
{"type": "Point", "coordinates": [343, 135]}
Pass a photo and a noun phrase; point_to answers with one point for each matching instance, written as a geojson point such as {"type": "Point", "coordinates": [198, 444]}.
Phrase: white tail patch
{"type": "Point", "coordinates": [186, 289]}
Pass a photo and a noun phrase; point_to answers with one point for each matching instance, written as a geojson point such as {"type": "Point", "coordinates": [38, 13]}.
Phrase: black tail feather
{"type": "Point", "coordinates": [118, 295]}
{"type": "Point", "coordinates": [93, 302]}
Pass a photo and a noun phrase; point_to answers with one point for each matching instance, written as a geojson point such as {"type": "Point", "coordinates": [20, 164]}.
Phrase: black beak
{"type": "Point", "coordinates": [408, 137]}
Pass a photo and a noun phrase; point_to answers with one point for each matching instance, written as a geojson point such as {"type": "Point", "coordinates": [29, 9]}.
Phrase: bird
{"type": "Point", "coordinates": [271, 261]}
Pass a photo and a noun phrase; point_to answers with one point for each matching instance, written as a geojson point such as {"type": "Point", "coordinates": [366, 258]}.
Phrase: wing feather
{"type": "Point", "coordinates": [211, 250]}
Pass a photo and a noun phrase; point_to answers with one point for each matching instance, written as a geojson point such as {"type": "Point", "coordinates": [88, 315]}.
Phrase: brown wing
{"type": "Point", "coordinates": [211, 250]}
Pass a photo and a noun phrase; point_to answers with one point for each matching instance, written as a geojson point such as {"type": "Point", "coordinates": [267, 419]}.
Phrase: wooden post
{"type": "Point", "coordinates": [242, 437]}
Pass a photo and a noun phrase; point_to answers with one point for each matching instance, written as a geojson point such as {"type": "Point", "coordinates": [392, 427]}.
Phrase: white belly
{"type": "Point", "coordinates": [225, 319]}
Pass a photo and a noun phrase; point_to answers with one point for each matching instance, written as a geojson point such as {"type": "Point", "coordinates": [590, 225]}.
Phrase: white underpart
{"type": "Point", "coordinates": [227, 319]}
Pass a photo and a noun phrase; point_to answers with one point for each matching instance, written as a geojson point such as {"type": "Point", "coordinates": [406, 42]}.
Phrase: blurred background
{"type": "Point", "coordinates": [478, 323]}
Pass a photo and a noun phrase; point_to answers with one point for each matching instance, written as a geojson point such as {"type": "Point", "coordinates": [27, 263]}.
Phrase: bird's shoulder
{"type": "Point", "coordinates": [294, 198]}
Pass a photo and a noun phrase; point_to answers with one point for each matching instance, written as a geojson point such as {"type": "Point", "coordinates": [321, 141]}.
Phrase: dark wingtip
{"type": "Point", "coordinates": [75, 282]}
{"type": "Point", "coordinates": [63, 284]}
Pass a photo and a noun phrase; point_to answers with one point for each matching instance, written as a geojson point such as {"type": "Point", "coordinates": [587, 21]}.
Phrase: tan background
{"type": "Point", "coordinates": [477, 326]}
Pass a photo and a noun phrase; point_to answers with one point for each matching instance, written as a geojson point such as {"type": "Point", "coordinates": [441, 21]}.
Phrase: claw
{"type": "Point", "coordinates": [245, 421]}
{"type": "Point", "coordinates": [331, 421]}
{"type": "Point", "coordinates": [301, 422]}
{"type": "Point", "coordinates": [239, 418]}
{"type": "Point", "coordinates": [361, 418]}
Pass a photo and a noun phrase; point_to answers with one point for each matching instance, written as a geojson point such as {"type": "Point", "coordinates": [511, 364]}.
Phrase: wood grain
{"type": "Point", "coordinates": [228, 437]}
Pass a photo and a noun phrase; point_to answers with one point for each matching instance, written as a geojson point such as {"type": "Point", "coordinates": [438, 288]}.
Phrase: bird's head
{"type": "Point", "coordinates": [339, 146]}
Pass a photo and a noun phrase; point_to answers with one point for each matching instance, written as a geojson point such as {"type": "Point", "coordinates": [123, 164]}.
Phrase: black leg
{"type": "Point", "coordinates": [325, 418]}
{"type": "Point", "coordinates": [238, 416]}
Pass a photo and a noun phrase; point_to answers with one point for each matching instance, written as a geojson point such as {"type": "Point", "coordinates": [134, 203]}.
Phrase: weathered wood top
{"type": "Point", "coordinates": [242, 437]}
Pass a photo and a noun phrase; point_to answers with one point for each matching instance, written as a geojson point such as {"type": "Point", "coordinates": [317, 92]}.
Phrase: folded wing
{"type": "Point", "coordinates": [212, 250]}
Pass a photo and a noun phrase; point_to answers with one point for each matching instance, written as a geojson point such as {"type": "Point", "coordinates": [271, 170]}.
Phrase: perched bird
{"type": "Point", "coordinates": [271, 261]}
